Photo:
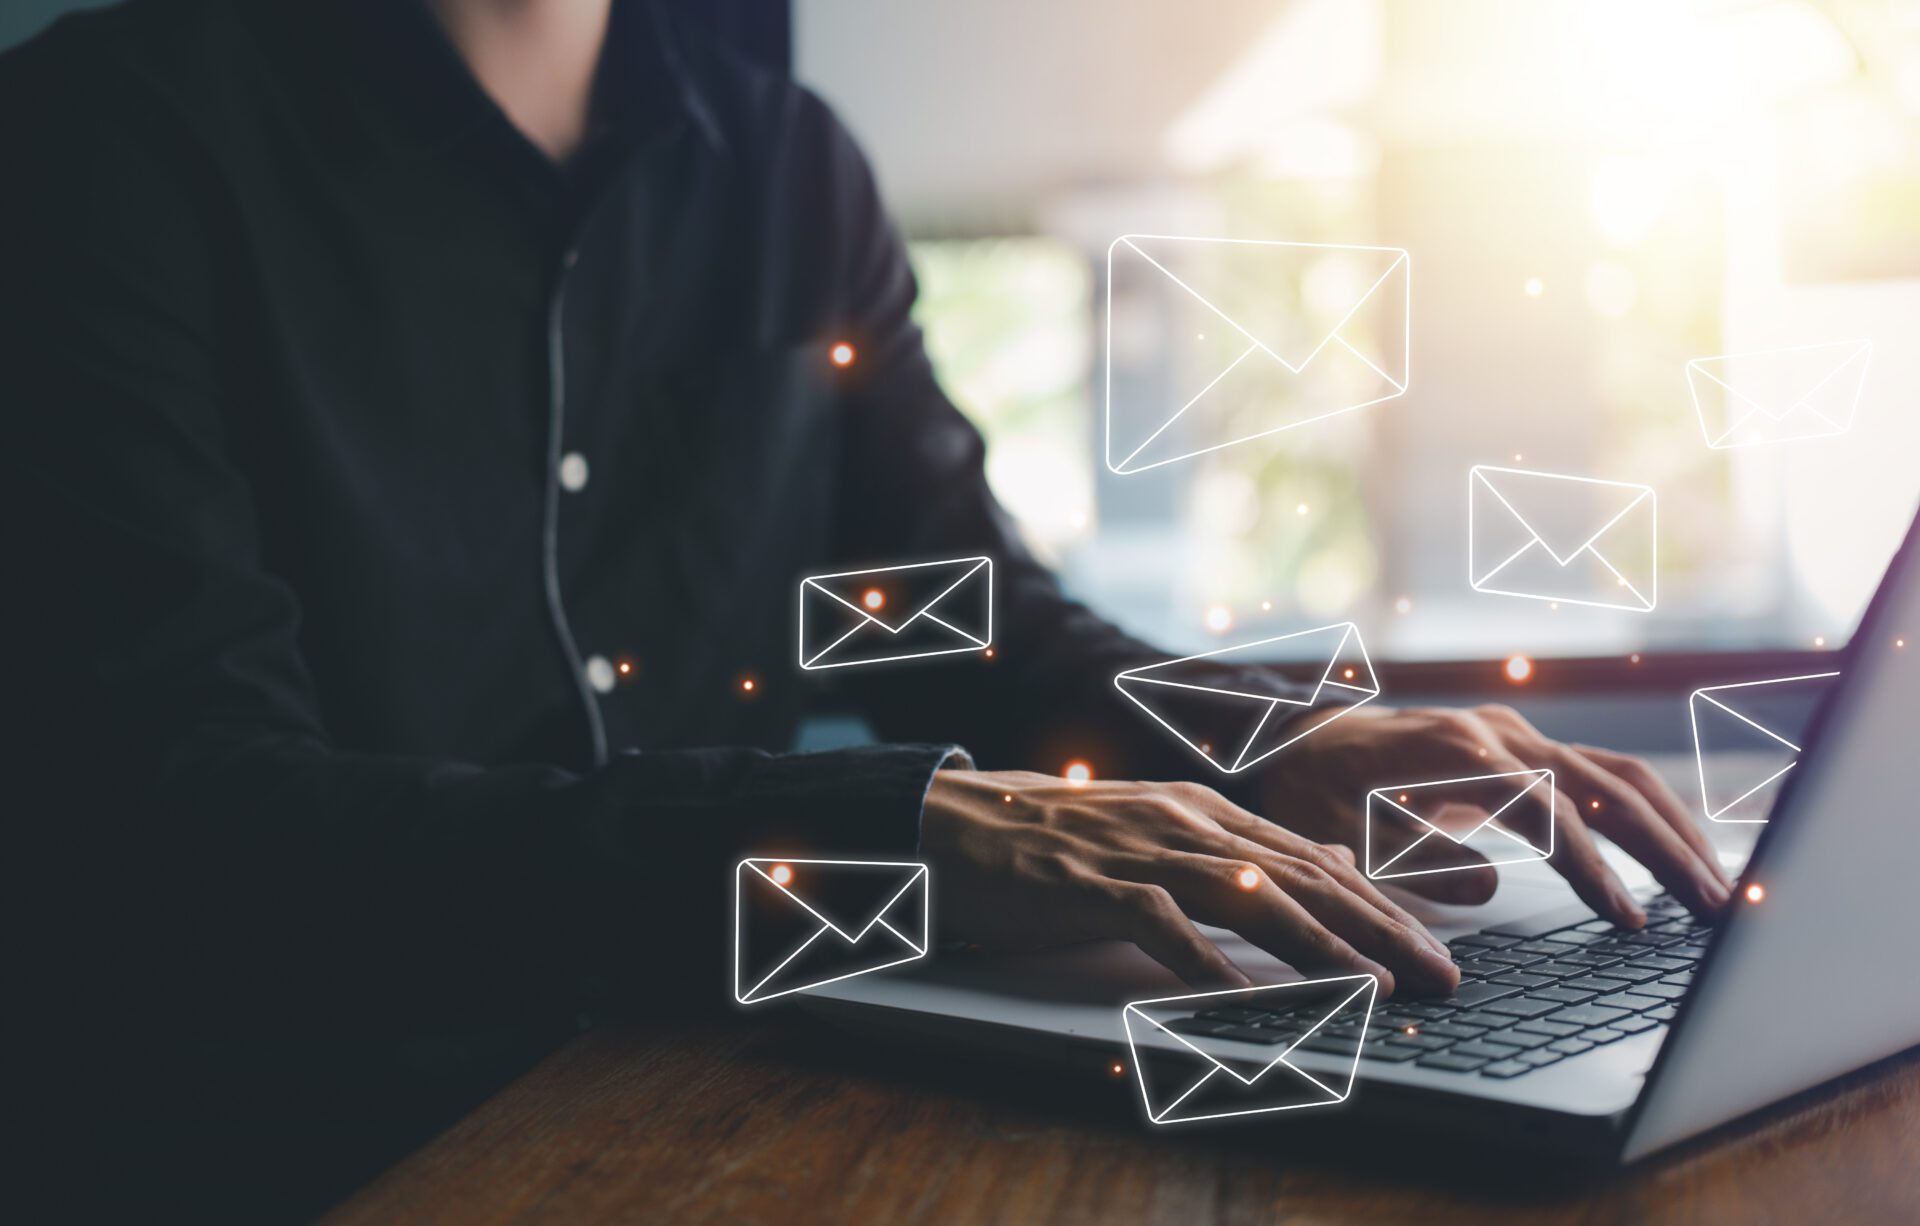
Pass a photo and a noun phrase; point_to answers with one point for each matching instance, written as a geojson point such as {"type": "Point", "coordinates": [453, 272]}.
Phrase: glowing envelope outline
{"type": "Point", "coordinates": [1484, 485]}
{"type": "Point", "coordinates": [1824, 409]}
{"type": "Point", "coordinates": [754, 871]}
{"type": "Point", "coordinates": [1322, 1094]}
{"type": "Point", "coordinates": [1705, 695]}
{"type": "Point", "coordinates": [1273, 703]}
{"type": "Point", "coordinates": [1396, 260]}
{"type": "Point", "coordinates": [1529, 853]}
{"type": "Point", "coordinates": [814, 590]}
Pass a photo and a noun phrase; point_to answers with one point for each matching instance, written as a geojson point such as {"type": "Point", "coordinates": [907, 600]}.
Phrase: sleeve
{"type": "Point", "coordinates": [189, 819]}
{"type": "Point", "coordinates": [914, 487]}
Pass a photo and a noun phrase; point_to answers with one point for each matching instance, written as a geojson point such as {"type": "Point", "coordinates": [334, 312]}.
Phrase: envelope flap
{"type": "Point", "coordinates": [893, 597]}
{"type": "Point", "coordinates": [1778, 381]}
{"type": "Point", "coordinates": [1457, 809]}
{"type": "Point", "coordinates": [1290, 299]}
{"type": "Point", "coordinates": [1565, 514]}
{"type": "Point", "coordinates": [848, 896]}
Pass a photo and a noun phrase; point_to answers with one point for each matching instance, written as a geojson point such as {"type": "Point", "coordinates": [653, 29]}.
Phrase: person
{"type": "Point", "coordinates": [420, 413]}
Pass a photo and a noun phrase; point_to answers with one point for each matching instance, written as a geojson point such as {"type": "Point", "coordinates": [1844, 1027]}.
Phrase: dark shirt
{"type": "Point", "coordinates": [299, 337]}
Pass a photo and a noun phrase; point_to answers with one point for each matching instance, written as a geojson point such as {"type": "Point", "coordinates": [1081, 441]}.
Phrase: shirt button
{"type": "Point", "coordinates": [573, 472]}
{"type": "Point", "coordinates": [600, 674]}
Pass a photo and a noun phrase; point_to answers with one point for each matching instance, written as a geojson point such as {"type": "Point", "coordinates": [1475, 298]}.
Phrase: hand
{"type": "Point", "coordinates": [1026, 860]}
{"type": "Point", "coordinates": [1320, 786]}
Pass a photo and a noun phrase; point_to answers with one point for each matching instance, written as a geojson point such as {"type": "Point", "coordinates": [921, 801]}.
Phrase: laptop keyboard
{"type": "Point", "coordinates": [1532, 993]}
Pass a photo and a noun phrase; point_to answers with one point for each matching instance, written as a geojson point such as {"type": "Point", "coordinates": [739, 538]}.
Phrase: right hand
{"type": "Point", "coordinates": [1029, 860]}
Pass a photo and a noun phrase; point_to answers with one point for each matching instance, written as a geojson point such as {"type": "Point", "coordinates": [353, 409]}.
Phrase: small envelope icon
{"type": "Point", "coordinates": [799, 924]}
{"type": "Point", "coordinates": [1478, 812]}
{"type": "Point", "coordinates": [1215, 341]}
{"type": "Point", "coordinates": [1735, 745]}
{"type": "Point", "coordinates": [1195, 1083]}
{"type": "Point", "coordinates": [1572, 540]}
{"type": "Point", "coordinates": [887, 613]}
{"type": "Point", "coordinates": [1234, 709]}
{"type": "Point", "coordinates": [1777, 395]}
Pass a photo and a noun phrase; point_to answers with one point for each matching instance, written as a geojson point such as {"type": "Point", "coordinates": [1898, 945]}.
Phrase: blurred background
{"type": "Point", "coordinates": [1591, 194]}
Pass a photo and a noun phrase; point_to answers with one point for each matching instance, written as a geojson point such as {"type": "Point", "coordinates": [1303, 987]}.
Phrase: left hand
{"type": "Point", "coordinates": [1318, 788]}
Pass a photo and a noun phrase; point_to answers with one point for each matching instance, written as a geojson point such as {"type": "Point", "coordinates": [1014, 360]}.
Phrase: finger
{"type": "Point", "coordinates": [1210, 889]}
{"type": "Point", "coordinates": [1665, 801]}
{"type": "Point", "coordinates": [1575, 855]}
{"type": "Point", "coordinates": [1382, 932]}
{"type": "Point", "coordinates": [1338, 860]}
{"type": "Point", "coordinates": [1147, 916]}
{"type": "Point", "coordinates": [1440, 869]}
{"type": "Point", "coordinates": [1619, 811]}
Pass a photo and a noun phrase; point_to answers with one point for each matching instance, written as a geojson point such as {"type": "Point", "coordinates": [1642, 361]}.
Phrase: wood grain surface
{"type": "Point", "coordinates": [776, 1120]}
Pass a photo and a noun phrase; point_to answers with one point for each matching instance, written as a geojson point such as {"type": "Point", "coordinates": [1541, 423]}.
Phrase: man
{"type": "Point", "coordinates": [419, 420]}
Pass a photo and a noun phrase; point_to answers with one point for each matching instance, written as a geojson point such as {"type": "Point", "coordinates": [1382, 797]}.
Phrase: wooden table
{"type": "Point", "coordinates": [777, 1120]}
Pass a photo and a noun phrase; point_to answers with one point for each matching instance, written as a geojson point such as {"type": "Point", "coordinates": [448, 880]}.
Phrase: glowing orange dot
{"type": "Point", "coordinates": [1756, 892]}
{"type": "Point", "coordinates": [1519, 669]}
{"type": "Point", "coordinates": [626, 666]}
{"type": "Point", "coordinates": [1634, 658]}
{"type": "Point", "coordinates": [1248, 879]}
{"type": "Point", "coordinates": [1594, 805]}
{"type": "Point", "coordinates": [842, 354]}
{"type": "Point", "coordinates": [1899, 642]}
{"type": "Point", "coordinates": [1078, 772]}
{"type": "Point", "coordinates": [1007, 798]}
{"type": "Point", "coordinates": [874, 598]}
{"type": "Point", "coordinates": [1348, 674]}
{"type": "Point", "coordinates": [1819, 640]}
{"type": "Point", "coordinates": [746, 685]}
{"type": "Point", "coordinates": [782, 874]}
{"type": "Point", "coordinates": [1410, 1030]}
{"type": "Point", "coordinates": [989, 653]}
{"type": "Point", "coordinates": [1403, 798]}
{"type": "Point", "coordinates": [1219, 619]}
{"type": "Point", "coordinates": [1117, 1069]}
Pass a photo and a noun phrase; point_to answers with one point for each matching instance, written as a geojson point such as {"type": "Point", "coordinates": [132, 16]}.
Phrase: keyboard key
{"type": "Point", "coordinates": [1490, 940]}
{"type": "Point", "coordinates": [1569, 1047]}
{"type": "Point", "coordinates": [1682, 978]}
{"type": "Point", "coordinates": [1418, 1043]}
{"type": "Point", "coordinates": [1556, 970]}
{"type": "Point", "coordinates": [1454, 1030]}
{"type": "Point", "coordinates": [1549, 1027]}
{"type": "Point", "coordinates": [1663, 1014]}
{"type": "Point", "coordinates": [1588, 958]}
{"type": "Point", "coordinates": [1627, 972]}
{"type": "Point", "coordinates": [1327, 1043]}
{"type": "Point", "coordinates": [1653, 940]}
{"type": "Point", "coordinates": [1603, 1034]}
{"type": "Point", "coordinates": [1598, 925]}
{"type": "Point", "coordinates": [1251, 1034]}
{"type": "Point", "coordinates": [1388, 1054]}
{"type": "Point", "coordinates": [1562, 995]}
{"type": "Point", "coordinates": [1506, 1068]}
{"type": "Point", "coordinates": [1589, 1015]}
{"type": "Point", "coordinates": [1197, 1025]}
{"type": "Point", "coordinates": [1572, 936]}
{"type": "Point", "coordinates": [1234, 1015]}
{"type": "Point", "coordinates": [1448, 1062]}
{"type": "Point", "coordinates": [1629, 1001]}
{"type": "Point", "coordinates": [1470, 995]}
{"type": "Point", "coordinates": [1665, 991]}
{"type": "Point", "coordinates": [1523, 1007]}
{"type": "Point", "coordinates": [1542, 946]}
{"type": "Point", "coordinates": [1485, 1050]}
{"type": "Point", "coordinates": [1540, 1058]}
{"type": "Point", "coordinates": [1634, 1025]}
{"type": "Point", "coordinates": [1523, 979]}
{"type": "Point", "coordinates": [1519, 1038]}
{"type": "Point", "coordinates": [1660, 962]}
{"type": "Point", "coordinates": [1511, 957]}
{"type": "Point", "coordinates": [1476, 968]}
{"type": "Point", "coordinates": [1547, 921]}
{"type": "Point", "coordinates": [1597, 984]}
{"type": "Point", "coordinates": [1430, 1012]}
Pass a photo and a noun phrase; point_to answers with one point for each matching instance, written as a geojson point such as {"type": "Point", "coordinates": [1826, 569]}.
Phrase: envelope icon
{"type": "Point", "coordinates": [1215, 341]}
{"type": "Point", "coordinates": [1736, 747]}
{"type": "Point", "coordinates": [1499, 816]}
{"type": "Point", "coordinates": [887, 613]}
{"type": "Point", "coordinates": [799, 924]}
{"type": "Point", "coordinates": [1572, 540]}
{"type": "Point", "coordinates": [1199, 1078]}
{"type": "Point", "coordinates": [1777, 395]}
{"type": "Point", "coordinates": [1234, 708]}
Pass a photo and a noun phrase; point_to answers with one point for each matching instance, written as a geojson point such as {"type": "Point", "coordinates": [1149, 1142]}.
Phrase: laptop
{"type": "Point", "coordinates": [1566, 1035]}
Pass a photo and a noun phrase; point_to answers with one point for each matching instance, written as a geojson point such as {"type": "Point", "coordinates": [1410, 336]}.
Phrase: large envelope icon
{"type": "Point", "coordinates": [1234, 708]}
{"type": "Point", "coordinates": [1572, 540]}
{"type": "Point", "coordinates": [896, 613]}
{"type": "Point", "coordinates": [1407, 824]}
{"type": "Point", "coordinates": [1736, 745]}
{"type": "Point", "coordinates": [1215, 341]}
{"type": "Point", "coordinates": [1777, 395]}
{"type": "Point", "coordinates": [799, 924]}
{"type": "Point", "coordinates": [1197, 1078]}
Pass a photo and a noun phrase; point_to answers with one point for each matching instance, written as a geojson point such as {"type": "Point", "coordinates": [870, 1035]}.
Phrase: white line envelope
{"type": "Point", "coordinates": [885, 613]}
{"type": "Point", "coordinates": [1232, 712]}
{"type": "Point", "coordinates": [800, 924]}
{"type": "Point", "coordinates": [1192, 1084]}
{"type": "Point", "coordinates": [1779, 395]}
{"type": "Point", "coordinates": [1389, 853]}
{"type": "Point", "coordinates": [1571, 540]}
{"type": "Point", "coordinates": [1258, 337]}
{"type": "Point", "coordinates": [1736, 751]}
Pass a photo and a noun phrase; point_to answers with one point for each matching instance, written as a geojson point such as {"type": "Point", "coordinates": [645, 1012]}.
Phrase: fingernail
{"type": "Point", "coordinates": [1715, 893]}
{"type": "Point", "coordinates": [1379, 972]}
